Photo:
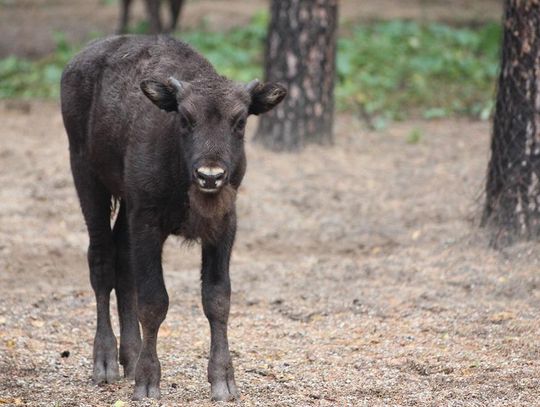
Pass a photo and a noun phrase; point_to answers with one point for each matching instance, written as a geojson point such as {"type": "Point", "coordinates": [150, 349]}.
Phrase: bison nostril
{"type": "Point", "coordinates": [210, 177]}
{"type": "Point", "coordinates": [219, 176]}
{"type": "Point", "coordinates": [210, 172]}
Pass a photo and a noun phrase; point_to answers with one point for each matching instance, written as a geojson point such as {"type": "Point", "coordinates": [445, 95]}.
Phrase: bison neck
{"type": "Point", "coordinates": [207, 215]}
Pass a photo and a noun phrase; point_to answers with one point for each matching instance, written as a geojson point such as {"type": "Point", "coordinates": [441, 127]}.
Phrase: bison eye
{"type": "Point", "coordinates": [240, 125]}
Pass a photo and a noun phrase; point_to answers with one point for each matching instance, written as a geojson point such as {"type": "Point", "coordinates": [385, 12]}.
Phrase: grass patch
{"type": "Point", "coordinates": [386, 70]}
{"type": "Point", "coordinates": [414, 136]}
{"type": "Point", "coordinates": [394, 68]}
{"type": "Point", "coordinates": [23, 78]}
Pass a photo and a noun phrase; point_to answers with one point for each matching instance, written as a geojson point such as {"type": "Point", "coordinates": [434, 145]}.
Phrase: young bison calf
{"type": "Point", "coordinates": [152, 124]}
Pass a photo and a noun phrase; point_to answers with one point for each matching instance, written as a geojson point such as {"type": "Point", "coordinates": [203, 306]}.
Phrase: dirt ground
{"type": "Point", "coordinates": [359, 278]}
{"type": "Point", "coordinates": [28, 26]}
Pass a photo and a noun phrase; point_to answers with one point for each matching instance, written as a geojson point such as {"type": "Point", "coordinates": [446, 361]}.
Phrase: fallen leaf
{"type": "Point", "coordinates": [165, 331]}
{"type": "Point", "coordinates": [376, 250]}
{"type": "Point", "coordinates": [501, 316]}
{"type": "Point", "coordinates": [37, 323]}
{"type": "Point", "coordinates": [16, 401]}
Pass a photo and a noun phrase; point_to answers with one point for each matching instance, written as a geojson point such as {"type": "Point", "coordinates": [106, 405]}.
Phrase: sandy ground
{"type": "Point", "coordinates": [28, 26]}
{"type": "Point", "coordinates": [359, 276]}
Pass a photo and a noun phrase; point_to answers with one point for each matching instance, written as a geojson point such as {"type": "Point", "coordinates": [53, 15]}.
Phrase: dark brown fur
{"type": "Point", "coordinates": [207, 212]}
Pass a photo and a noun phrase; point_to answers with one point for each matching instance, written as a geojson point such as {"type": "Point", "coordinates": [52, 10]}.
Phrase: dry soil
{"type": "Point", "coordinates": [360, 278]}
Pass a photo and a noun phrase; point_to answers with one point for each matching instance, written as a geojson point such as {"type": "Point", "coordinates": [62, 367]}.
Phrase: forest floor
{"type": "Point", "coordinates": [360, 278]}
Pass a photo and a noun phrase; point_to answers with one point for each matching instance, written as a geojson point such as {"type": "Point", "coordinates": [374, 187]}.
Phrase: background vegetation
{"type": "Point", "coordinates": [386, 70]}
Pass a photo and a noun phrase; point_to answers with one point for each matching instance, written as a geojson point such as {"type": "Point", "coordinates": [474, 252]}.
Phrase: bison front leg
{"type": "Point", "coordinates": [216, 293]}
{"type": "Point", "coordinates": [152, 299]}
{"type": "Point", "coordinates": [152, 8]}
{"type": "Point", "coordinates": [105, 354]}
{"type": "Point", "coordinates": [95, 203]}
{"type": "Point", "coordinates": [126, 294]}
{"type": "Point", "coordinates": [124, 17]}
{"type": "Point", "coordinates": [176, 9]}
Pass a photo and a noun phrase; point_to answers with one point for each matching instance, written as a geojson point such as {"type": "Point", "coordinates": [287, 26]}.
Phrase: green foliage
{"type": "Point", "coordinates": [394, 68]}
{"type": "Point", "coordinates": [141, 27]}
{"type": "Point", "coordinates": [238, 53]}
{"type": "Point", "coordinates": [21, 78]}
{"type": "Point", "coordinates": [385, 70]}
{"type": "Point", "coordinates": [414, 136]}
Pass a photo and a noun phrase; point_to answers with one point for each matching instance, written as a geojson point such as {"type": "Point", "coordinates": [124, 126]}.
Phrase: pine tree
{"type": "Point", "coordinates": [512, 205]}
{"type": "Point", "coordinates": [300, 54]}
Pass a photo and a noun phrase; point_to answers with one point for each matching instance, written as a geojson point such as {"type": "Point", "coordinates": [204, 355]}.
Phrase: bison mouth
{"type": "Point", "coordinates": [212, 202]}
{"type": "Point", "coordinates": [205, 190]}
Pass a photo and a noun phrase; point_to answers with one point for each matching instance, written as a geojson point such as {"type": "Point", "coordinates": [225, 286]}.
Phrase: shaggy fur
{"type": "Point", "coordinates": [207, 213]}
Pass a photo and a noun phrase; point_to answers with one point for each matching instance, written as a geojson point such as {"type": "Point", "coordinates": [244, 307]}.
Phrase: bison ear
{"type": "Point", "coordinates": [165, 95]}
{"type": "Point", "coordinates": [264, 96]}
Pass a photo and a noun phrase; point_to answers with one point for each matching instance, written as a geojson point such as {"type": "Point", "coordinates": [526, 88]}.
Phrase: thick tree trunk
{"type": "Point", "coordinates": [301, 53]}
{"type": "Point", "coordinates": [513, 188]}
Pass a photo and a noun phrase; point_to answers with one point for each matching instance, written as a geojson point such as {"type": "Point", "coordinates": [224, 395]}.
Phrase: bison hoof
{"type": "Point", "coordinates": [224, 391]}
{"type": "Point", "coordinates": [105, 371]}
{"type": "Point", "coordinates": [147, 375]}
{"type": "Point", "coordinates": [146, 390]}
{"type": "Point", "coordinates": [129, 371]}
{"type": "Point", "coordinates": [105, 359]}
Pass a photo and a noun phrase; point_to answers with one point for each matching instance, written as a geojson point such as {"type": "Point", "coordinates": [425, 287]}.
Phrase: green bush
{"type": "Point", "coordinates": [395, 68]}
{"type": "Point", "coordinates": [22, 78]}
{"type": "Point", "coordinates": [385, 70]}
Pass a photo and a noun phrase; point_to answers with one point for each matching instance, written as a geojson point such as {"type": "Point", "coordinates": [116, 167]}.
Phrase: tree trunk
{"type": "Point", "coordinates": [301, 54]}
{"type": "Point", "coordinates": [513, 189]}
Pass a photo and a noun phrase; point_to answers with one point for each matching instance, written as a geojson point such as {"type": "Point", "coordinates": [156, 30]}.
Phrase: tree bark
{"type": "Point", "coordinates": [301, 54]}
{"type": "Point", "coordinates": [513, 190]}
